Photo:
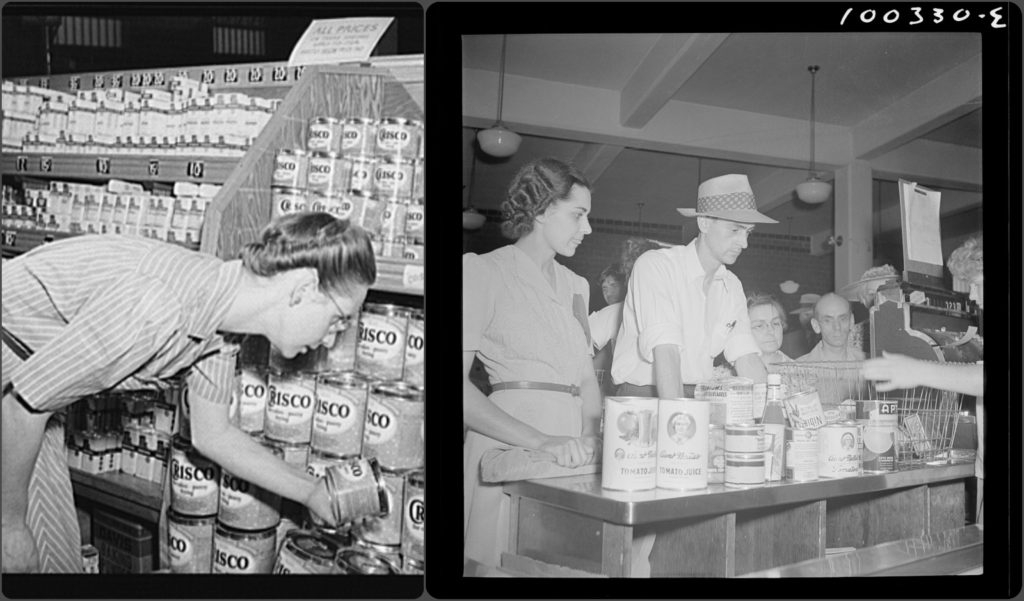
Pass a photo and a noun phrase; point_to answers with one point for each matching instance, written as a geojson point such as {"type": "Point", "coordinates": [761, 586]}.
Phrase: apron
{"type": "Point", "coordinates": [51, 518]}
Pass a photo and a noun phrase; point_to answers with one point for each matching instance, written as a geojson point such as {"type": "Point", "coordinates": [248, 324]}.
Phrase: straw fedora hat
{"type": "Point", "coordinates": [727, 197]}
{"type": "Point", "coordinates": [872, 279]}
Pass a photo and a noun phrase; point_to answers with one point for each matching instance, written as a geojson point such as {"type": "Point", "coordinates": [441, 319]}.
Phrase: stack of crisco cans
{"type": "Point", "coordinates": [365, 170]}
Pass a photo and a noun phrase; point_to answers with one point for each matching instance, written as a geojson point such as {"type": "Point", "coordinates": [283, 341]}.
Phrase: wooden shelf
{"type": "Point", "coordinates": [134, 496]}
{"type": "Point", "coordinates": [152, 168]}
{"type": "Point", "coordinates": [18, 241]}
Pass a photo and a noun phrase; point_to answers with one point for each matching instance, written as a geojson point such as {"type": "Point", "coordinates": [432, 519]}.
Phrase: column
{"type": "Point", "coordinates": [853, 221]}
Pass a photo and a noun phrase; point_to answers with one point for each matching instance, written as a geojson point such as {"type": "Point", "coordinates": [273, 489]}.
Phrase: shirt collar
{"type": "Point", "coordinates": [530, 271]}
{"type": "Point", "coordinates": [694, 266]}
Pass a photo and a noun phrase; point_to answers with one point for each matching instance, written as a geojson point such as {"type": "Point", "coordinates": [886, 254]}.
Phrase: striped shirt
{"type": "Point", "coordinates": [120, 312]}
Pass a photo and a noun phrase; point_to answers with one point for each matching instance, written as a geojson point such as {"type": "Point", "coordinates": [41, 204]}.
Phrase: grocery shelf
{"type": "Point", "coordinates": [17, 241]}
{"type": "Point", "coordinates": [134, 496]}
{"type": "Point", "coordinates": [398, 275]}
{"type": "Point", "coordinates": [103, 167]}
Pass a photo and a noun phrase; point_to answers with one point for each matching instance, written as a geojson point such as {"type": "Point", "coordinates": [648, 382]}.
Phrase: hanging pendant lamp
{"type": "Point", "coordinates": [471, 218]}
{"type": "Point", "coordinates": [498, 141]}
{"type": "Point", "coordinates": [814, 190]}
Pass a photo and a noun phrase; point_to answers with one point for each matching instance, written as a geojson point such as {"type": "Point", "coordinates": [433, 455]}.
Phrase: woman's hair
{"type": "Point", "coordinates": [632, 248]}
{"type": "Point", "coordinates": [341, 253]}
{"type": "Point", "coordinates": [965, 263]}
{"type": "Point", "coordinates": [758, 299]}
{"type": "Point", "coordinates": [538, 184]}
{"type": "Point", "coordinates": [615, 272]}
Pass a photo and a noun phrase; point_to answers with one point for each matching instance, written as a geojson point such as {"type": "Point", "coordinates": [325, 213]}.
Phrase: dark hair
{"type": "Point", "coordinates": [613, 271]}
{"type": "Point", "coordinates": [632, 248]}
{"type": "Point", "coordinates": [537, 184]}
{"type": "Point", "coordinates": [340, 252]}
{"type": "Point", "coordinates": [758, 299]}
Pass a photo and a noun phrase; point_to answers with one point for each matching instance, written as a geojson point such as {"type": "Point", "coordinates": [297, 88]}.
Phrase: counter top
{"type": "Point", "coordinates": [583, 494]}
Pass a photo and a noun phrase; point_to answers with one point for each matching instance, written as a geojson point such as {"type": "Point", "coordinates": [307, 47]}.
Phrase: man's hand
{"type": "Point", "coordinates": [893, 371]}
{"type": "Point", "coordinates": [20, 553]}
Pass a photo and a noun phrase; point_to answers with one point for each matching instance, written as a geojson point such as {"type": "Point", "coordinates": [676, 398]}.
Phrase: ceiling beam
{"type": "Point", "coordinates": [932, 163]}
{"type": "Point", "coordinates": [670, 63]}
{"type": "Point", "coordinates": [593, 159]}
{"type": "Point", "coordinates": [949, 96]}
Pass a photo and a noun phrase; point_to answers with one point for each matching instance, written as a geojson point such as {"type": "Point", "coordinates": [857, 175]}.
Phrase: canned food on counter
{"type": "Point", "coordinates": [744, 470]}
{"type": "Point", "coordinates": [290, 168]}
{"type": "Point", "coordinates": [242, 552]}
{"type": "Point", "coordinates": [839, 450]}
{"type": "Point", "coordinates": [392, 179]}
{"type": "Point", "coordinates": [380, 353]}
{"type": "Point", "coordinates": [190, 542]}
{"type": "Point", "coordinates": [744, 438]}
{"type": "Point", "coordinates": [394, 425]}
{"type": "Point", "coordinates": [290, 398]}
{"type": "Point", "coordinates": [194, 481]}
{"type": "Point", "coordinates": [412, 371]}
{"type": "Point", "coordinates": [340, 413]}
{"type": "Point", "coordinates": [397, 137]}
{"type": "Point", "coordinates": [804, 409]}
{"type": "Point", "coordinates": [324, 135]}
{"type": "Point", "coordinates": [306, 552]}
{"type": "Point", "coordinates": [801, 454]}
{"type": "Point", "coordinates": [682, 444]}
{"type": "Point", "coordinates": [359, 137]}
{"type": "Point", "coordinates": [288, 200]}
{"type": "Point", "coordinates": [414, 515]}
{"type": "Point", "coordinates": [629, 455]}
{"type": "Point", "coordinates": [253, 398]}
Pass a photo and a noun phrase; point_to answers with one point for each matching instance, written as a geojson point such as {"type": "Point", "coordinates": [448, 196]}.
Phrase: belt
{"type": "Point", "coordinates": [570, 389]}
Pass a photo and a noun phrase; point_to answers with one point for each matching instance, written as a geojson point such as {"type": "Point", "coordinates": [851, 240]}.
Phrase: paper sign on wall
{"type": "Point", "coordinates": [332, 41]}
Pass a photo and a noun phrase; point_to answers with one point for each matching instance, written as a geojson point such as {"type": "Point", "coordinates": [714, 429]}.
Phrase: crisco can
{"type": "Point", "coordinates": [240, 552]}
{"type": "Point", "coordinates": [394, 425]}
{"type": "Point", "coordinates": [682, 444]}
{"type": "Point", "coordinates": [804, 409]}
{"type": "Point", "coordinates": [744, 438]}
{"type": "Point", "coordinates": [288, 200]}
{"type": "Point", "coordinates": [414, 515]}
{"type": "Point", "coordinates": [360, 173]}
{"type": "Point", "coordinates": [290, 167]}
{"type": "Point", "coordinates": [716, 453]}
{"type": "Point", "coordinates": [357, 490]}
{"type": "Point", "coordinates": [324, 135]}
{"type": "Point", "coordinates": [380, 353]}
{"type": "Point", "coordinates": [290, 398]}
{"type": "Point", "coordinates": [306, 552]}
{"type": "Point", "coordinates": [245, 506]}
{"type": "Point", "coordinates": [190, 542]}
{"type": "Point", "coordinates": [340, 414]}
{"type": "Point", "coordinates": [801, 454]}
{"type": "Point", "coordinates": [317, 202]}
{"type": "Point", "coordinates": [342, 356]}
{"type": "Point", "coordinates": [359, 136]}
{"type": "Point", "coordinates": [252, 398]}
{"type": "Point", "coordinates": [418, 179]}
{"type": "Point", "coordinates": [630, 454]}
{"type": "Point", "coordinates": [392, 222]}
{"type": "Point", "coordinates": [194, 481]}
{"type": "Point", "coordinates": [387, 530]}
{"type": "Point", "coordinates": [392, 247]}
{"type": "Point", "coordinates": [412, 371]}
{"type": "Point", "coordinates": [338, 205]}
{"type": "Point", "coordinates": [367, 210]}
{"type": "Point", "coordinates": [412, 252]}
{"type": "Point", "coordinates": [414, 219]}
{"type": "Point", "coordinates": [839, 450]}
{"type": "Point", "coordinates": [362, 561]}
{"type": "Point", "coordinates": [327, 175]}
{"type": "Point", "coordinates": [392, 179]}
{"type": "Point", "coordinates": [397, 137]}
{"type": "Point", "coordinates": [744, 470]}
{"type": "Point", "coordinates": [318, 462]}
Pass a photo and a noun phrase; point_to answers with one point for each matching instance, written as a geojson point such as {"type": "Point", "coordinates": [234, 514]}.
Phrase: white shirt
{"type": "Point", "coordinates": [666, 304]}
{"type": "Point", "coordinates": [604, 324]}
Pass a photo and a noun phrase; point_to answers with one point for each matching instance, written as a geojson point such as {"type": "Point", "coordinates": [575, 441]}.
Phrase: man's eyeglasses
{"type": "Point", "coordinates": [341, 321]}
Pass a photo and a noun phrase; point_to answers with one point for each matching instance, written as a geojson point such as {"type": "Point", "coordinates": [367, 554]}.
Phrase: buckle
{"type": "Point", "coordinates": [574, 390]}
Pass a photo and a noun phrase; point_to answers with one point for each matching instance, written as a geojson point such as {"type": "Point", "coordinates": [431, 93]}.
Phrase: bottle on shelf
{"type": "Point", "coordinates": [774, 422]}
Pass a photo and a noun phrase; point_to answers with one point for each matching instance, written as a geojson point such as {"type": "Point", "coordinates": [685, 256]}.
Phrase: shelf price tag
{"type": "Point", "coordinates": [46, 164]}
{"type": "Point", "coordinates": [183, 73]}
{"type": "Point", "coordinates": [147, 79]}
{"type": "Point", "coordinates": [280, 73]}
{"type": "Point", "coordinates": [255, 74]}
{"type": "Point", "coordinates": [21, 163]}
{"type": "Point", "coordinates": [103, 165]}
{"type": "Point", "coordinates": [44, 82]}
{"type": "Point", "coordinates": [158, 78]}
{"type": "Point", "coordinates": [195, 169]}
{"type": "Point", "coordinates": [299, 71]}
{"type": "Point", "coordinates": [208, 76]}
{"type": "Point", "coordinates": [10, 237]}
{"type": "Point", "coordinates": [117, 80]}
{"type": "Point", "coordinates": [154, 167]}
{"type": "Point", "coordinates": [98, 81]}
{"type": "Point", "coordinates": [412, 277]}
{"type": "Point", "coordinates": [230, 75]}
{"type": "Point", "coordinates": [136, 80]}
{"type": "Point", "coordinates": [74, 82]}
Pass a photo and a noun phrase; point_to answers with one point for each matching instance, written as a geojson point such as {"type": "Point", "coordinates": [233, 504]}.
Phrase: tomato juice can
{"type": "Point", "coordinates": [839, 450]}
{"type": "Point", "coordinates": [195, 481]}
{"type": "Point", "coordinates": [380, 353]}
{"type": "Point", "coordinates": [190, 542]}
{"type": "Point", "coordinates": [682, 444]}
{"type": "Point", "coordinates": [393, 433]}
{"type": "Point", "coordinates": [290, 406]}
{"type": "Point", "coordinates": [630, 454]}
{"type": "Point", "coordinates": [243, 552]}
{"type": "Point", "coordinates": [340, 413]}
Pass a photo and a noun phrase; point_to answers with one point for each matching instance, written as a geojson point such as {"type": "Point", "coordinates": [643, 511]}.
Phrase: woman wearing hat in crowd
{"type": "Point", "coordinates": [97, 313]}
{"type": "Point", "coordinates": [683, 306]}
{"type": "Point", "coordinates": [863, 291]}
{"type": "Point", "coordinates": [525, 318]}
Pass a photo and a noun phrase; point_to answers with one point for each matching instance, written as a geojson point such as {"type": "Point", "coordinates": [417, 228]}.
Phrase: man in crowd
{"type": "Point", "coordinates": [832, 319]}
{"type": "Point", "coordinates": [683, 306]}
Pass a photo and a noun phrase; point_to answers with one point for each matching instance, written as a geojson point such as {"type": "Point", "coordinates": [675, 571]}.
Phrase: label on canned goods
{"type": "Point", "coordinates": [323, 135]}
{"type": "Point", "coordinates": [382, 338]}
{"type": "Point", "coordinates": [397, 137]}
{"type": "Point", "coordinates": [253, 403]}
{"type": "Point", "coordinates": [290, 407]}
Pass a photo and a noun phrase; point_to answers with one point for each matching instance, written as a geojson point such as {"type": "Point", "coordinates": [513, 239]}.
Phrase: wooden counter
{"type": "Point", "coordinates": [723, 532]}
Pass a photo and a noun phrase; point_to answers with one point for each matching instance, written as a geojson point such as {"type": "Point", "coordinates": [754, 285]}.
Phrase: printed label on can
{"type": "Point", "coordinates": [289, 169]}
{"type": "Point", "coordinates": [322, 174]}
{"type": "Point", "coordinates": [381, 350]}
{"type": "Point", "coordinates": [839, 451]}
{"type": "Point", "coordinates": [682, 444]}
{"type": "Point", "coordinates": [191, 547]}
{"type": "Point", "coordinates": [381, 422]}
{"type": "Point", "coordinates": [317, 464]}
{"type": "Point", "coordinates": [629, 455]}
{"type": "Point", "coordinates": [246, 506]}
{"type": "Point", "coordinates": [338, 422]}
{"type": "Point", "coordinates": [387, 530]}
{"type": "Point", "coordinates": [287, 201]}
{"type": "Point", "coordinates": [744, 469]}
{"type": "Point", "coordinates": [879, 454]}
{"type": "Point", "coordinates": [340, 206]}
{"type": "Point", "coordinates": [744, 438]}
{"type": "Point", "coordinates": [396, 138]}
{"type": "Point", "coordinates": [393, 179]}
{"type": "Point", "coordinates": [394, 430]}
{"type": "Point", "coordinates": [801, 454]}
{"type": "Point", "coordinates": [356, 471]}
{"type": "Point", "coordinates": [321, 136]}
{"type": "Point", "coordinates": [415, 516]}
{"type": "Point", "coordinates": [804, 410]}
{"type": "Point", "coordinates": [253, 399]}
{"type": "Point", "coordinates": [393, 219]}
{"type": "Point", "coordinates": [290, 407]}
{"type": "Point", "coordinates": [358, 136]}
{"type": "Point", "coordinates": [413, 370]}
{"type": "Point", "coordinates": [414, 215]}
{"type": "Point", "coordinates": [194, 483]}
{"type": "Point", "coordinates": [361, 174]}
{"type": "Point", "coordinates": [248, 557]}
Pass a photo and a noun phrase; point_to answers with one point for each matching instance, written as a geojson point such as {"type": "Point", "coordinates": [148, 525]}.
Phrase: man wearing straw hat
{"type": "Point", "coordinates": [683, 306]}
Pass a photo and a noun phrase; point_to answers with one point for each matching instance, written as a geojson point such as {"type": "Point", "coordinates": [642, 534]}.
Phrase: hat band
{"type": "Point", "coordinates": [734, 201]}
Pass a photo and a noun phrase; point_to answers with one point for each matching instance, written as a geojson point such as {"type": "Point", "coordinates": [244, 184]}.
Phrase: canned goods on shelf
{"type": "Point", "coordinates": [290, 168]}
{"type": "Point", "coordinates": [392, 224]}
{"type": "Point", "coordinates": [415, 342]}
{"type": "Point", "coordinates": [290, 398]}
{"type": "Point", "coordinates": [357, 490]}
{"type": "Point", "coordinates": [294, 454]}
{"type": "Point", "coordinates": [359, 136]}
{"type": "Point", "coordinates": [195, 489]}
{"type": "Point", "coordinates": [391, 247]}
{"type": "Point", "coordinates": [629, 452]}
{"type": "Point", "coordinates": [306, 552]}
{"type": "Point", "coordinates": [319, 461]}
{"type": "Point", "coordinates": [252, 387]}
{"type": "Point", "coordinates": [413, 252]}
{"type": "Point", "coordinates": [801, 451]}
{"type": "Point", "coordinates": [337, 205]}
{"type": "Point", "coordinates": [380, 353]}
{"type": "Point", "coordinates": [387, 530]}
{"type": "Point", "coordinates": [744, 470]}
{"type": "Point", "coordinates": [324, 135]}
{"type": "Point", "coordinates": [394, 425]}
{"type": "Point", "coordinates": [367, 209]}
{"type": "Point", "coordinates": [245, 506]}
{"type": "Point", "coordinates": [340, 413]}
{"type": "Point", "coordinates": [241, 552]}
{"type": "Point", "coordinates": [418, 179]}
{"type": "Point", "coordinates": [744, 438]}
{"type": "Point", "coordinates": [288, 200]}
{"type": "Point", "coordinates": [414, 515]}
{"type": "Point", "coordinates": [190, 542]}
{"type": "Point", "coordinates": [362, 561]}
{"type": "Point", "coordinates": [393, 179]}
{"type": "Point", "coordinates": [414, 219]}
{"type": "Point", "coordinates": [360, 169]}
{"type": "Point", "coordinates": [328, 174]}
{"type": "Point", "coordinates": [398, 137]}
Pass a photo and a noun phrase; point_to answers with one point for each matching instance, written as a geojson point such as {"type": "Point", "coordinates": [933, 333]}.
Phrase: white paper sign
{"type": "Point", "coordinates": [333, 41]}
{"type": "Point", "coordinates": [920, 208]}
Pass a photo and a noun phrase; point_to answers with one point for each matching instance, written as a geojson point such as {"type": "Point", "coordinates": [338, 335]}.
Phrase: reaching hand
{"type": "Point", "coordinates": [893, 371]}
{"type": "Point", "coordinates": [20, 553]}
{"type": "Point", "coordinates": [320, 505]}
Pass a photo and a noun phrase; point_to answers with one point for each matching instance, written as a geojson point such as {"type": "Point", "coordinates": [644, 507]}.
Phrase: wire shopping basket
{"type": "Point", "coordinates": [927, 417]}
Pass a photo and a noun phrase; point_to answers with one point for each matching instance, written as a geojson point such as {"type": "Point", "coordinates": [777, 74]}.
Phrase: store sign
{"type": "Point", "coordinates": [332, 41]}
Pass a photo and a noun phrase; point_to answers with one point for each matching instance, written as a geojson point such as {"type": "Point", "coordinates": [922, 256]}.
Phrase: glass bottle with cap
{"type": "Point", "coordinates": [774, 422]}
